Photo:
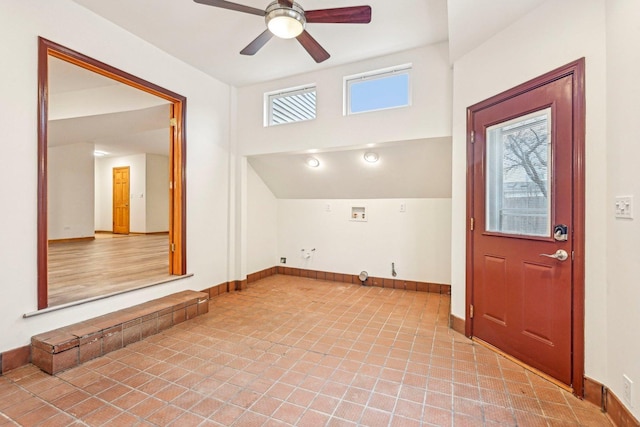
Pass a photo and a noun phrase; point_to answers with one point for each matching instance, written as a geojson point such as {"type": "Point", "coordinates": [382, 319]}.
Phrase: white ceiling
{"type": "Point", "coordinates": [405, 169]}
{"type": "Point", "coordinates": [210, 39]}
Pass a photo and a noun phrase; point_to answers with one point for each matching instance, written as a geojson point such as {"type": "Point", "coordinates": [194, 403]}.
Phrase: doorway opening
{"type": "Point", "coordinates": [177, 154]}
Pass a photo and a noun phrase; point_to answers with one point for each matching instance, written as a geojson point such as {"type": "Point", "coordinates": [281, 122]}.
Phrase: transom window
{"type": "Point", "coordinates": [290, 105]}
{"type": "Point", "coordinates": [377, 90]}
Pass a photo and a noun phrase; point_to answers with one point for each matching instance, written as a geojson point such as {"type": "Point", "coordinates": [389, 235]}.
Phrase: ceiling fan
{"type": "Point", "coordinates": [286, 19]}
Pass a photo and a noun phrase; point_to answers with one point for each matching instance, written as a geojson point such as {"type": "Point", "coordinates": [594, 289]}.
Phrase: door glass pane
{"type": "Point", "coordinates": [518, 175]}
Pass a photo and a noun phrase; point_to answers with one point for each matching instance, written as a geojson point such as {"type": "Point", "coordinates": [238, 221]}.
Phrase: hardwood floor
{"type": "Point", "coordinates": [109, 264]}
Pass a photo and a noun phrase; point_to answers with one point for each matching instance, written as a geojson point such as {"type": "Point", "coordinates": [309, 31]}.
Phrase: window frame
{"type": "Point", "coordinates": [382, 73]}
{"type": "Point", "coordinates": [281, 93]}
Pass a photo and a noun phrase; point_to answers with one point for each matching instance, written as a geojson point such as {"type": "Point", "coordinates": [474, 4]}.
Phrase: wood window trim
{"type": "Point", "coordinates": [177, 158]}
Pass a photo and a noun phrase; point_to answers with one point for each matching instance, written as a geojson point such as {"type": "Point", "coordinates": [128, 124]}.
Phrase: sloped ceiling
{"type": "Point", "coordinates": [405, 169]}
{"type": "Point", "coordinates": [472, 22]}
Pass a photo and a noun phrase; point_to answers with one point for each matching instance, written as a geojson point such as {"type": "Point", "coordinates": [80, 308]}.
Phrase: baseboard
{"type": "Point", "coordinates": [600, 395]}
{"type": "Point", "coordinates": [407, 285]}
{"type": "Point", "coordinates": [456, 323]}
{"type": "Point", "coordinates": [151, 233]}
{"type": "Point", "coordinates": [72, 239]}
{"type": "Point", "coordinates": [12, 359]}
{"type": "Point", "coordinates": [132, 232]}
{"type": "Point", "coordinates": [254, 277]}
{"type": "Point", "coordinates": [593, 392]}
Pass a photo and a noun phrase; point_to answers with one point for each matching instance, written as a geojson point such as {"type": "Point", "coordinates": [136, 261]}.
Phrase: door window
{"type": "Point", "coordinates": [518, 175]}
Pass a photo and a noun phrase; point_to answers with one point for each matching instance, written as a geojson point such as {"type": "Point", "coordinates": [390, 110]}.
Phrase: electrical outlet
{"type": "Point", "coordinates": [283, 260]}
{"type": "Point", "coordinates": [624, 207]}
{"type": "Point", "coordinates": [627, 387]}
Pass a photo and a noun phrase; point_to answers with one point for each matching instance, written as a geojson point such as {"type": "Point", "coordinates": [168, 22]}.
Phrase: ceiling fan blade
{"type": "Point", "coordinates": [232, 6]}
{"type": "Point", "coordinates": [310, 44]}
{"type": "Point", "coordinates": [253, 47]}
{"type": "Point", "coordinates": [341, 15]}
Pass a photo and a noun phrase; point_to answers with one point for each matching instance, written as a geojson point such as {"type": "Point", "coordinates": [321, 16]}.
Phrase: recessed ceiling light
{"type": "Point", "coordinates": [98, 153]}
{"type": "Point", "coordinates": [312, 162]}
{"type": "Point", "coordinates": [371, 157]}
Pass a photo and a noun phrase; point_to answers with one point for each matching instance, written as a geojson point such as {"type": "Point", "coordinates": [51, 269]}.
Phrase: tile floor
{"type": "Point", "coordinates": [303, 352]}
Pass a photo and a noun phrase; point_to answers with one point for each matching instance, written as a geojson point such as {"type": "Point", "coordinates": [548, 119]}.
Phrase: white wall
{"type": "Point", "coordinates": [157, 197]}
{"type": "Point", "coordinates": [67, 23]}
{"type": "Point", "coordinates": [148, 192]}
{"type": "Point", "coordinates": [71, 191]}
{"type": "Point", "coordinates": [422, 256]}
{"type": "Point", "coordinates": [623, 178]}
{"type": "Point", "coordinates": [417, 240]}
{"type": "Point", "coordinates": [262, 223]}
{"type": "Point", "coordinates": [429, 116]}
{"type": "Point", "coordinates": [550, 36]}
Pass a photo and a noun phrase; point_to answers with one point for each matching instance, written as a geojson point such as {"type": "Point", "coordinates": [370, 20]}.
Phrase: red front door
{"type": "Point", "coordinates": [521, 207]}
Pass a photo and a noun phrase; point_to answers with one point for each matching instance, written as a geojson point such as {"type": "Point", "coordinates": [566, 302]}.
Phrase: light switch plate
{"type": "Point", "coordinates": [624, 207]}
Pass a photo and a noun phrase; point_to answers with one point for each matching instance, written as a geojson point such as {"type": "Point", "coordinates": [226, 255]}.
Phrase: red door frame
{"type": "Point", "coordinates": [576, 70]}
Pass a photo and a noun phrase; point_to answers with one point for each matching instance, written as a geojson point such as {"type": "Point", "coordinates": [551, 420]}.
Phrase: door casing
{"type": "Point", "coordinates": [576, 70]}
{"type": "Point", "coordinates": [177, 157]}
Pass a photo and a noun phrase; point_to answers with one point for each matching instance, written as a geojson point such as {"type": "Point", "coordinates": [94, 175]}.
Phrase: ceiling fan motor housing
{"type": "Point", "coordinates": [284, 21]}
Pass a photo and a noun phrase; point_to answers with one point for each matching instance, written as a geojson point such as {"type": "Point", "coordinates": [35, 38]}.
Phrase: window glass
{"type": "Point", "coordinates": [518, 181]}
{"type": "Point", "coordinates": [378, 90]}
{"type": "Point", "coordinates": [291, 105]}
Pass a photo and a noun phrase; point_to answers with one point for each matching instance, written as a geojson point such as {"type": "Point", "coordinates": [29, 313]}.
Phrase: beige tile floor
{"type": "Point", "coordinates": [303, 352]}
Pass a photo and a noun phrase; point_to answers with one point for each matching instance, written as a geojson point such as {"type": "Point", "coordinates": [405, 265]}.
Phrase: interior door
{"type": "Point", "coordinates": [121, 200]}
{"type": "Point", "coordinates": [522, 195]}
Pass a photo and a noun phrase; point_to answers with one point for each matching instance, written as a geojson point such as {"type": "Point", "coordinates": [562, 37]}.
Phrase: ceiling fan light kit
{"type": "Point", "coordinates": [286, 19]}
{"type": "Point", "coordinates": [285, 22]}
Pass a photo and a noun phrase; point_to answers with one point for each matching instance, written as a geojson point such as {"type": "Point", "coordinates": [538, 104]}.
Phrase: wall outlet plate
{"type": "Point", "coordinates": [283, 260]}
{"type": "Point", "coordinates": [624, 207]}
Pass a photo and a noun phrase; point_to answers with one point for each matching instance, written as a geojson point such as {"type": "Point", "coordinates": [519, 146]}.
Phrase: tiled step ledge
{"type": "Point", "coordinates": [66, 347]}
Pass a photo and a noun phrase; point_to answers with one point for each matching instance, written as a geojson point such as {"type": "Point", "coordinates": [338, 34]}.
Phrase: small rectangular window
{"type": "Point", "coordinates": [290, 106]}
{"type": "Point", "coordinates": [377, 90]}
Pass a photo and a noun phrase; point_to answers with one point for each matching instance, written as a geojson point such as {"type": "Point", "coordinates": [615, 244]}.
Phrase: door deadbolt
{"type": "Point", "coordinates": [561, 233]}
